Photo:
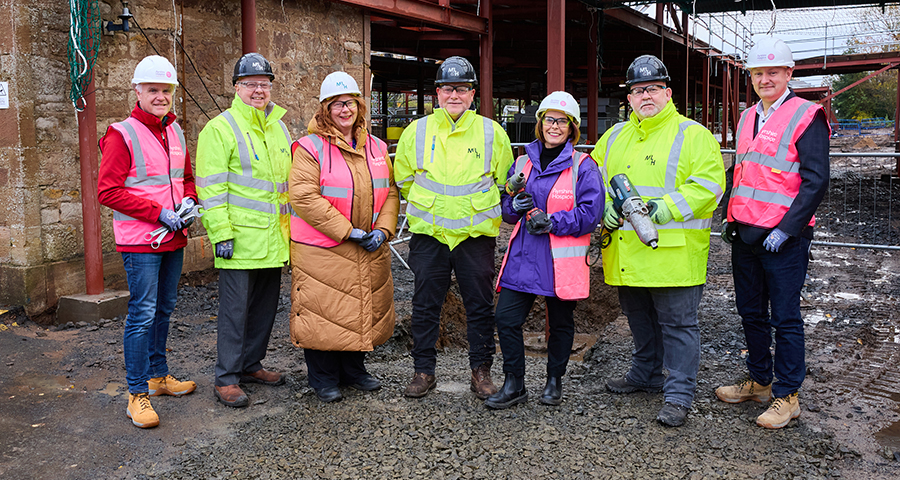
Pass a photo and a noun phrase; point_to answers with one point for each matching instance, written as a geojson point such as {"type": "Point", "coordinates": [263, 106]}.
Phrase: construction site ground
{"type": "Point", "coordinates": [63, 396]}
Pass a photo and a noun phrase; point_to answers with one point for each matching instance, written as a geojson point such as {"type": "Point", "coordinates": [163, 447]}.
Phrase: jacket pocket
{"type": "Point", "coordinates": [251, 236]}
{"type": "Point", "coordinates": [487, 200]}
{"type": "Point", "coordinates": [421, 198]}
{"type": "Point", "coordinates": [671, 238]}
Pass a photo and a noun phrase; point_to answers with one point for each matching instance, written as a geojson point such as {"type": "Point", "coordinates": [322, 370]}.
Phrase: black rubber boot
{"type": "Point", "coordinates": [552, 394]}
{"type": "Point", "coordinates": [513, 392]}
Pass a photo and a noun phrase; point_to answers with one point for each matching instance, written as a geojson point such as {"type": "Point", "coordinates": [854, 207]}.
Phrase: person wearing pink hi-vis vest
{"type": "Point", "coordinates": [780, 177]}
{"type": "Point", "coordinates": [344, 207]}
{"type": "Point", "coordinates": [553, 216]}
{"type": "Point", "coordinates": [145, 177]}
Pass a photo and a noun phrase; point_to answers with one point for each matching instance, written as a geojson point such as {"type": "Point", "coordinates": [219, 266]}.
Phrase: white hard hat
{"type": "Point", "coordinates": [563, 102]}
{"type": "Point", "coordinates": [769, 51]}
{"type": "Point", "coordinates": [338, 83]}
{"type": "Point", "coordinates": [154, 69]}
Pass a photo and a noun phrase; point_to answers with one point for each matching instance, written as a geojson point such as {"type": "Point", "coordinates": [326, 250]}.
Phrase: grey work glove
{"type": "Point", "coordinates": [170, 220]}
{"type": "Point", "coordinates": [611, 217]}
{"type": "Point", "coordinates": [373, 240]}
{"type": "Point", "coordinates": [659, 211]}
{"type": "Point", "coordinates": [187, 207]}
{"type": "Point", "coordinates": [522, 203]}
{"type": "Point", "coordinates": [775, 239]}
{"type": "Point", "coordinates": [225, 249]}
{"type": "Point", "coordinates": [357, 235]}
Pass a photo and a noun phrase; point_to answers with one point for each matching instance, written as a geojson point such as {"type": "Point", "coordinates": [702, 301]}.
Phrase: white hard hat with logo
{"type": "Point", "coordinates": [563, 102]}
{"type": "Point", "coordinates": [154, 69]}
{"type": "Point", "coordinates": [769, 51]}
{"type": "Point", "coordinates": [338, 83]}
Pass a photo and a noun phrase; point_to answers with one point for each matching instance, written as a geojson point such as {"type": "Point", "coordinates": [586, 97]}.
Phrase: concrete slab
{"type": "Point", "coordinates": [91, 308]}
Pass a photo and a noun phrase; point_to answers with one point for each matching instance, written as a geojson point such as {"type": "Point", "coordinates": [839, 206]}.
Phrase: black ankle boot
{"type": "Point", "coordinates": [513, 392]}
{"type": "Point", "coordinates": [552, 394]}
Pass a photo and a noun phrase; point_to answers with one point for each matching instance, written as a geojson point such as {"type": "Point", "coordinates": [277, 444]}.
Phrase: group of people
{"type": "Point", "coordinates": [329, 202]}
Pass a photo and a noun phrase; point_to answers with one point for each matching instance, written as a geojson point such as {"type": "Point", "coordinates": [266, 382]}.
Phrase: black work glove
{"type": "Point", "coordinates": [729, 233]}
{"type": "Point", "coordinates": [522, 203]}
{"type": "Point", "coordinates": [225, 249]}
{"type": "Point", "coordinates": [537, 222]}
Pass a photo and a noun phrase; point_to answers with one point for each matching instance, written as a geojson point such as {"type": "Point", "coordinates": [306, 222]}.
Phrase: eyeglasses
{"type": "Point", "coordinates": [559, 122]}
{"type": "Point", "coordinates": [461, 89]}
{"type": "Point", "coordinates": [338, 105]}
{"type": "Point", "coordinates": [255, 85]}
{"type": "Point", "coordinates": [651, 89]}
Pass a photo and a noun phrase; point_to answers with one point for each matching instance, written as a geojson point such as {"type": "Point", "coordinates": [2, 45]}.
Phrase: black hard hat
{"type": "Point", "coordinates": [456, 70]}
{"type": "Point", "coordinates": [252, 64]}
{"type": "Point", "coordinates": [646, 68]}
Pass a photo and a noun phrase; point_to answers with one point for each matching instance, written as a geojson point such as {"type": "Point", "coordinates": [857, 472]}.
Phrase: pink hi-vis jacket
{"type": "Point", "coordinates": [767, 167]}
{"type": "Point", "coordinates": [155, 174]}
{"type": "Point", "coordinates": [571, 274]}
{"type": "Point", "coordinates": [336, 183]}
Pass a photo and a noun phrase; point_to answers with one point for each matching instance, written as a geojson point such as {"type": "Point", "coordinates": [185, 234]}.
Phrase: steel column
{"type": "Point", "coordinates": [725, 84]}
{"type": "Point", "coordinates": [248, 26]}
{"type": "Point", "coordinates": [897, 122]}
{"type": "Point", "coordinates": [706, 100]}
{"type": "Point", "coordinates": [593, 87]}
{"type": "Point", "coordinates": [486, 84]}
{"type": "Point", "coordinates": [90, 206]}
{"type": "Point", "coordinates": [556, 45]}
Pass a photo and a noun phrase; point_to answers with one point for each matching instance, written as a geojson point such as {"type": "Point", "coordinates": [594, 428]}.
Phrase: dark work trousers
{"type": "Point", "coordinates": [432, 263]}
{"type": "Point", "coordinates": [330, 369]}
{"type": "Point", "coordinates": [763, 279]}
{"type": "Point", "coordinates": [663, 322]}
{"type": "Point", "coordinates": [248, 300]}
{"type": "Point", "coordinates": [512, 309]}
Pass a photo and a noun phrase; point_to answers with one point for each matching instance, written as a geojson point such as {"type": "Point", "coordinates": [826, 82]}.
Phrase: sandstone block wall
{"type": "Point", "coordinates": [41, 241]}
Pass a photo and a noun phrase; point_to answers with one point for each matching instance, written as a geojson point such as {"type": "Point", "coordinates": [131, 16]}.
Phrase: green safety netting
{"type": "Point", "coordinates": [84, 41]}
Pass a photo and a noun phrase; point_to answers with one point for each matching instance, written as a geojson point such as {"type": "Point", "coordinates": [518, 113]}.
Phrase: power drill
{"type": "Point", "coordinates": [515, 184]}
{"type": "Point", "coordinates": [628, 204]}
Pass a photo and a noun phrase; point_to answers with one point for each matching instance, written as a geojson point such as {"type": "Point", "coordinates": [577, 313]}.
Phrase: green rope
{"type": "Point", "coordinates": [84, 42]}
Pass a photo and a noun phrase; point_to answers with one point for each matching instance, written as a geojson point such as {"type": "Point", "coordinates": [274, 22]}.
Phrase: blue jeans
{"type": "Point", "coordinates": [663, 323]}
{"type": "Point", "coordinates": [153, 285]}
{"type": "Point", "coordinates": [761, 279]}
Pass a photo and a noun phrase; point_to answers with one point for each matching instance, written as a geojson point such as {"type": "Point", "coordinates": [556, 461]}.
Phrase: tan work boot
{"type": "Point", "coordinates": [481, 382]}
{"type": "Point", "coordinates": [170, 385]}
{"type": "Point", "coordinates": [780, 412]}
{"type": "Point", "coordinates": [141, 412]}
{"type": "Point", "coordinates": [420, 385]}
{"type": "Point", "coordinates": [743, 391]}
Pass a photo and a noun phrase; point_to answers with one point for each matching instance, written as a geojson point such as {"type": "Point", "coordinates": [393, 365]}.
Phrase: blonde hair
{"type": "Point", "coordinates": [574, 131]}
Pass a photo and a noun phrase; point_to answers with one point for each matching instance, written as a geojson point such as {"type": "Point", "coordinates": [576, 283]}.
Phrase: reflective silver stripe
{"type": "Point", "coordinates": [319, 146]}
{"type": "Point", "coordinates": [145, 180]}
{"type": "Point", "coordinates": [695, 224]}
{"type": "Point", "coordinates": [648, 191]}
{"type": "Point", "coordinates": [785, 144]}
{"type": "Point", "coordinates": [381, 183]}
{"type": "Point", "coordinates": [771, 162]}
{"type": "Point", "coordinates": [281, 187]}
{"type": "Point", "coordinates": [740, 156]}
{"type": "Point", "coordinates": [121, 217]}
{"type": "Point", "coordinates": [284, 209]}
{"type": "Point", "coordinates": [713, 187]}
{"type": "Point", "coordinates": [403, 182]}
{"type": "Point", "coordinates": [675, 155]}
{"type": "Point", "coordinates": [374, 217]}
{"type": "Point", "coordinates": [421, 130]}
{"type": "Point", "coordinates": [287, 135]}
{"type": "Point", "coordinates": [763, 196]}
{"type": "Point", "coordinates": [488, 143]}
{"type": "Point", "coordinates": [569, 252]}
{"type": "Point", "coordinates": [422, 180]}
{"type": "Point", "coordinates": [682, 204]}
{"type": "Point", "coordinates": [140, 165]}
{"type": "Point", "coordinates": [243, 151]}
{"type": "Point", "coordinates": [252, 204]}
{"type": "Point", "coordinates": [335, 192]}
{"type": "Point", "coordinates": [180, 134]}
{"type": "Point", "coordinates": [520, 164]}
{"type": "Point", "coordinates": [176, 173]}
{"type": "Point", "coordinates": [616, 130]}
{"type": "Point", "coordinates": [453, 223]}
{"type": "Point", "coordinates": [228, 177]}
{"type": "Point", "coordinates": [215, 201]}
{"type": "Point", "coordinates": [210, 180]}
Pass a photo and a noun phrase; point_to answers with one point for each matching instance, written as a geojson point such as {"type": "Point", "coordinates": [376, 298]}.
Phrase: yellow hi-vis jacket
{"type": "Point", "coordinates": [243, 162]}
{"type": "Point", "coordinates": [450, 174]}
{"type": "Point", "coordinates": [672, 157]}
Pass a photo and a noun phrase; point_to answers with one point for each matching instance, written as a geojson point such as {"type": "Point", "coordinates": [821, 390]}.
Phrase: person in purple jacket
{"type": "Point", "coordinates": [559, 206]}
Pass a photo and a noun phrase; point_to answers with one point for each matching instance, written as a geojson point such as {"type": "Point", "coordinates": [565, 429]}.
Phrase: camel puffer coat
{"type": "Point", "coordinates": [342, 298]}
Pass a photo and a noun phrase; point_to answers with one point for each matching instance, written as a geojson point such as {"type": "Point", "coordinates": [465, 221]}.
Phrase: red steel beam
{"type": "Point", "coordinates": [437, 14]}
{"type": "Point", "coordinates": [556, 45]}
{"type": "Point", "coordinates": [487, 64]}
{"type": "Point", "coordinates": [897, 122]}
{"type": "Point", "coordinates": [90, 206]}
{"type": "Point", "coordinates": [248, 26]}
{"type": "Point", "coordinates": [725, 95]}
{"type": "Point", "coordinates": [707, 117]}
{"type": "Point", "coordinates": [861, 80]}
{"type": "Point", "coordinates": [593, 66]}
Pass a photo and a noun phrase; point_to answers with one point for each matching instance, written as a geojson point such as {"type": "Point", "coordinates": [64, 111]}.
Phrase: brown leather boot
{"type": "Point", "coordinates": [263, 376]}
{"type": "Point", "coordinates": [232, 395]}
{"type": "Point", "coordinates": [420, 385]}
{"type": "Point", "coordinates": [481, 382]}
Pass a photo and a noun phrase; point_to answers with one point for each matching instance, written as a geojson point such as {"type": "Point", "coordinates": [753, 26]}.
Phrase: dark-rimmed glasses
{"type": "Point", "coordinates": [559, 122]}
{"type": "Point", "coordinates": [338, 105]}
{"type": "Point", "coordinates": [255, 85]}
{"type": "Point", "coordinates": [461, 89]}
{"type": "Point", "coordinates": [651, 89]}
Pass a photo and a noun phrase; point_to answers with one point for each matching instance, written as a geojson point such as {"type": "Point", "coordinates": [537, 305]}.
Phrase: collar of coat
{"type": "Point", "coordinates": [560, 163]}
{"type": "Point", "coordinates": [445, 120]}
{"type": "Point", "coordinates": [648, 125]}
{"type": "Point", "coordinates": [337, 138]}
{"type": "Point", "coordinates": [254, 116]}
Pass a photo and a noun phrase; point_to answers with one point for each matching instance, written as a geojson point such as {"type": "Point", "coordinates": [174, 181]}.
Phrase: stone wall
{"type": "Point", "coordinates": [41, 242]}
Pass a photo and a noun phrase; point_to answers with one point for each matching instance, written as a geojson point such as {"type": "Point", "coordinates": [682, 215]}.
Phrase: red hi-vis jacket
{"type": "Point", "coordinates": [156, 174]}
{"type": "Point", "coordinates": [336, 183]}
{"type": "Point", "coordinates": [571, 274]}
{"type": "Point", "coordinates": [767, 167]}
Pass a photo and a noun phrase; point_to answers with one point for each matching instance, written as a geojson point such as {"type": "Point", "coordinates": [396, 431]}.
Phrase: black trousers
{"type": "Point", "coordinates": [330, 369]}
{"type": "Point", "coordinates": [432, 262]}
{"type": "Point", "coordinates": [512, 309]}
{"type": "Point", "coordinates": [248, 300]}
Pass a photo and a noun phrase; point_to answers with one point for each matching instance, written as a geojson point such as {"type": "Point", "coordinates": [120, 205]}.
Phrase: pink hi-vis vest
{"type": "Point", "coordinates": [571, 274]}
{"type": "Point", "coordinates": [156, 174]}
{"type": "Point", "coordinates": [336, 183]}
{"type": "Point", "coordinates": [767, 168]}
